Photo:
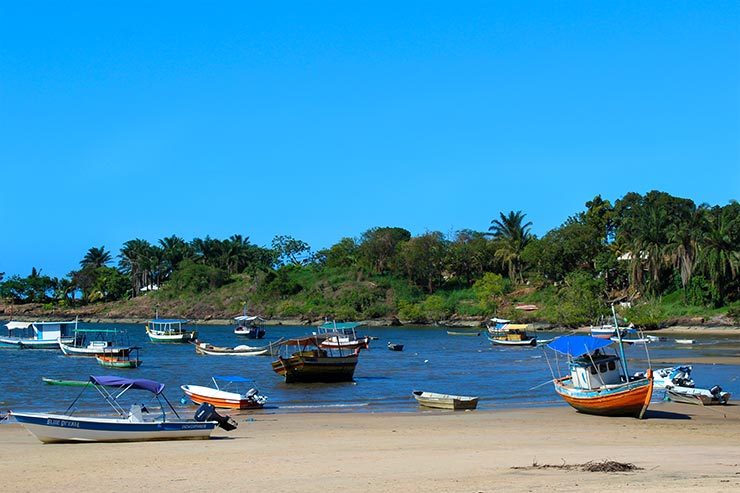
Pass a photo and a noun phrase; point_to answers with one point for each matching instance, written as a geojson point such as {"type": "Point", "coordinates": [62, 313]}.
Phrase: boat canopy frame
{"type": "Point", "coordinates": [101, 383]}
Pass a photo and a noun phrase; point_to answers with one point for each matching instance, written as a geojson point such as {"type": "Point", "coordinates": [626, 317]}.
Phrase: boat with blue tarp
{"type": "Point", "coordinates": [599, 383]}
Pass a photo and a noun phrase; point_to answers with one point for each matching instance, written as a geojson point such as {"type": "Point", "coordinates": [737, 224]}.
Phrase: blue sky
{"type": "Point", "coordinates": [320, 120]}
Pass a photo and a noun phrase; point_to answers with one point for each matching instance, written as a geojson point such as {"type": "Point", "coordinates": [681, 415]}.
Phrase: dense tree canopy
{"type": "Point", "coordinates": [641, 248]}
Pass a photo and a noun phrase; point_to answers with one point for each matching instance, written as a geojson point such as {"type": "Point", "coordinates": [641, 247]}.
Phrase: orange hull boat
{"type": "Point", "coordinates": [628, 399]}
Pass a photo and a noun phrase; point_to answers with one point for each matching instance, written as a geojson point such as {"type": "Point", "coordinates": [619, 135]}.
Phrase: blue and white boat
{"type": "Point", "coordinates": [131, 425]}
{"type": "Point", "coordinates": [38, 335]}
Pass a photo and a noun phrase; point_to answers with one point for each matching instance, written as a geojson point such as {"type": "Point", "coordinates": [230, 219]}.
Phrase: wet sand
{"type": "Point", "coordinates": [679, 448]}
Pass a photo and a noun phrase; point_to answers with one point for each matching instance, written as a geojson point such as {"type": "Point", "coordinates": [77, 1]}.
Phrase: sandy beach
{"type": "Point", "coordinates": [679, 448]}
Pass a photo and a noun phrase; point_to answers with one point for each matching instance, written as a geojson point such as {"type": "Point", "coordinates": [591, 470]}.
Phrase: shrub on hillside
{"type": "Point", "coordinates": [196, 278]}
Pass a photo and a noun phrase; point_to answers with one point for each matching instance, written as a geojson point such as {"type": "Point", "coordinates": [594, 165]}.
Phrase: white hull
{"type": "Point", "coordinates": [17, 342]}
{"type": "Point", "coordinates": [75, 429]}
{"type": "Point", "coordinates": [183, 337]}
{"type": "Point", "coordinates": [90, 351]}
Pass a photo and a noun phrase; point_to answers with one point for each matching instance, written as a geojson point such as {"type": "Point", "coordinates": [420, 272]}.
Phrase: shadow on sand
{"type": "Point", "coordinates": [653, 414]}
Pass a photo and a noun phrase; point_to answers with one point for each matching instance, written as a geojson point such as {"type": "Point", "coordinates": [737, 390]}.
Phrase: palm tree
{"type": "Point", "coordinates": [647, 243]}
{"type": "Point", "coordinates": [174, 251]}
{"type": "Point", "coordinates": [719, 253]}
{"type": "Point", "coordinates": [511, 236]}
{"type": "Point", "coordinates": [135, 260]}
{"type": "Point", "coordinates": [683, 239]}
{"type": "Point", "coordinates": [96, 257]}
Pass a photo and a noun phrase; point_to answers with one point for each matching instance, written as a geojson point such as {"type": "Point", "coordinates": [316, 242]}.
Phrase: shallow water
{"type": "Point", "coordinates": [503, 377]}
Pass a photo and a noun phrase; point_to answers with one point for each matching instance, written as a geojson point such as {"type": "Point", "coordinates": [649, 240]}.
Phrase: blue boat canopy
{"type": "Point", "coordinates": [232, 378]}
{"type": "Point", "coordinates": [575, 346]}
{"type": "Point", "coordinates": [135, 383]}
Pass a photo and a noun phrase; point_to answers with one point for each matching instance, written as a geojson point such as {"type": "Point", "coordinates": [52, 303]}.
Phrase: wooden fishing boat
{"type": "Point", "coordinates": [37, 335]}
{"type": "Point", "coordinates": [224, 397]}
{"type": "Point", "coordinates": [395, 347]}
{"type": "Point", "coordinates": [242, 350]}
{"type": "Point", "coordinates": [120, 360]}
{"type": "Point", "coordinates": [445, 401]}
{"type": "Point", "coordinates": [169, 330]}
{"type": "Point", "coordinates": [503, 333]}
{"type": "Point", "coordinates": [312, 363]}
{"type": "Point", "coordinates": [65, 383]}
{"type": "Point", "coordinates": [129, 425]}
{"type": "Point", "coordinates": [463, 333]}
{"type": "Point", "coordinates": [598, 383]}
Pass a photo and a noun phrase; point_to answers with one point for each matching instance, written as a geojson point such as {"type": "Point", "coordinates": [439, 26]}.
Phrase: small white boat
{"type": "Point", "coordinates": [130, 426]}
{"type": "Point", "coordinates": [679, 376]}
{"type": "Point", "coordinates": [169, 330]}
{"type": "Point", "coordinates": [249, 326]}
{"type": "Point", "coordinates": [445, 401]}
{"type": "Point", "coordinates": [641, 340]}
{"type": "Point", "coordinates": [702, 397]}
{"type": "Point", "coordinates": [685, 341]}
{"type": "Point", "coordinates": [341, 335]}
{"type": "Point", "coordinates": [105, 342]}
{"type": "Point", "coordinates": [225, 397]}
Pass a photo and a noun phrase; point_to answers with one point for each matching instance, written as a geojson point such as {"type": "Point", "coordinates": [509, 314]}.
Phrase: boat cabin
{"type": "Point", "coordinates": [167, 326]}
{"type": "Point", "coordinates": [338, 328]}
{"type": "Point", "coordinates": [595, 371]}
{"type": "Point", "coordinates": [41, 331]}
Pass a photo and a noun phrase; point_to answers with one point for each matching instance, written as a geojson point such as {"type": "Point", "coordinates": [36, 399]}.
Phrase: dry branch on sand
{"type": "Point", "coordinates": [590, 466]}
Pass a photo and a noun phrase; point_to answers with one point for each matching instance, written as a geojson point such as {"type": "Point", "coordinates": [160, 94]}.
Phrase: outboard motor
{"type": "Point", "coordinates": [716, 391]}
{"type": "Point", "coordinates": [206, 412]}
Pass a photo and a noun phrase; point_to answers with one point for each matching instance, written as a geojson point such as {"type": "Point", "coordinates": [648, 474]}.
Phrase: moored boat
{"type": "Point", "coordinates": [129, 426]}
{"type": "Point", "coordinates": [445, 401]}
{"type": "Point", "coordinates": [169, 330]}
{"type": "Point", "coordinates": [270, 349]}
{"type": "Point", "coordinates": [341, 335]}
{"type": "Point", "coordinates": [454, 332]}
{"type": "Point", "coordinates": [702, 397]}
{"type": "Point", "coordinates": [37, 335]}
{"type": "Point", "coordinates": [95, 342]}
{"type": "Point", "coordinates": [120, 360]}
{"type": "Point", "coordinates": [502, 332]}
{"type": "Point", "coordinates": [395, 347]}
{"type": "Point", "coordinates": [598, 383]}
{"type": "Point", "coordinates": [65, 383]}
{"type": "Point", "coordinates": [249, 326]}
{"type": "Point", "coordinates": [312, 363]}
{"type": "Point", "coordinates": [226, 397]}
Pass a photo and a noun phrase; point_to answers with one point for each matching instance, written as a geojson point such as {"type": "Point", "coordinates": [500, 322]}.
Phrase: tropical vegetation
{"type": "Point", "coordinates": [655, 254]}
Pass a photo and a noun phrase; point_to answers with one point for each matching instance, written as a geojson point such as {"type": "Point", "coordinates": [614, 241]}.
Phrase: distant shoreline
{"type": "Point", "coordinates": [698, 329]}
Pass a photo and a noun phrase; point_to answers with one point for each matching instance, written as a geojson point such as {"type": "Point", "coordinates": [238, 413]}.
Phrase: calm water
{"type": "Point", "coordinates": [431, 360]}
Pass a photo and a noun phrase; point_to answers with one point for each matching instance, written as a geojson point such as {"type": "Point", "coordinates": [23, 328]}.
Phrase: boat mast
{"type": "Point", "coordinates": [621, 346]}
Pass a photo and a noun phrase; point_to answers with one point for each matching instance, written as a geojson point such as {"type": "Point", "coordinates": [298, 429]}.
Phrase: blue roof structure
{"type": "Point", "coordinates": [575, 346]}
{"type": "Point", "coordinates": [135, 383]}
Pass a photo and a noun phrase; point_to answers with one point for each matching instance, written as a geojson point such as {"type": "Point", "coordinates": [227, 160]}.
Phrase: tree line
{"type": "Point", "coordinates": [641, 247]}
